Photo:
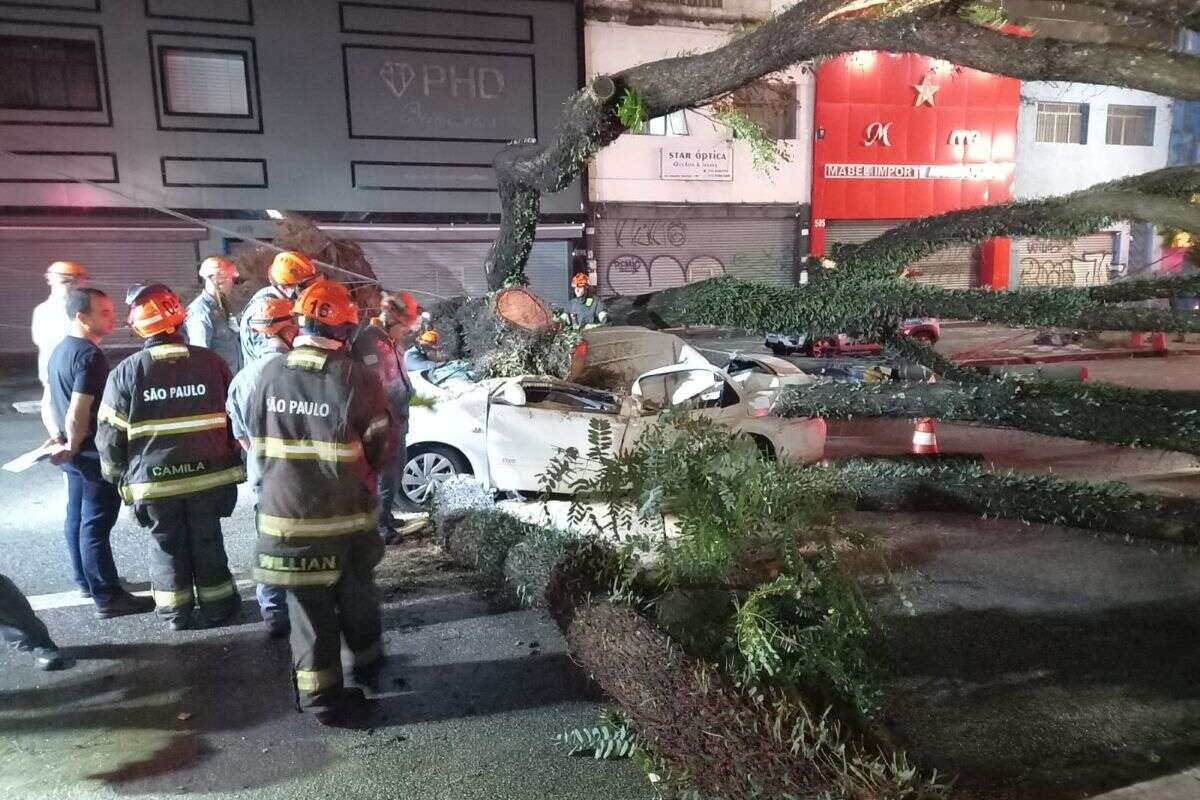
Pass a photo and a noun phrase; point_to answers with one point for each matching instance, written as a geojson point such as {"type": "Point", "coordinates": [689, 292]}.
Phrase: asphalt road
{"type": "Point", "coordinates": [469, 711]}
{"type": "Point", "coordinates": [1037, 661]}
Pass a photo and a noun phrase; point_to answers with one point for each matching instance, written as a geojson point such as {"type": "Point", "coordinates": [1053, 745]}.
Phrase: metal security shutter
{"type": "Point", "coordinates": [1066, 262]}
{"type": "Point", "coordinates": [446, 269]}
{"type": "Point", "coordinates": [954, 267]}
{"type": "Point", "coordinates": [114, 266]}
{"type": "Point", "coordinates": [657, 248]}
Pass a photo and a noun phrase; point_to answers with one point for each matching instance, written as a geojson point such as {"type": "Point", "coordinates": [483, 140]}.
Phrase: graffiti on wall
{"type": "Point", "coordinates": [648, 255]}
{"type": "Point", "coordinates": [1054, 262]}
{"type": "Point", "coordinates": [629, 274]}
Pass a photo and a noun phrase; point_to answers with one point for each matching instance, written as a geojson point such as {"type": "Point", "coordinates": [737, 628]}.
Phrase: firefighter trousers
{"type": "Point", "coordinates": [322, 616]}
{"type": "Point", "coordinates": [19, 626]}
{"type": "Point", "coordinates": [188, 565]}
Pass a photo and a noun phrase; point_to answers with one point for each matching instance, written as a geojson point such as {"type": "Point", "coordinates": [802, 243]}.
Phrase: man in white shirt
{"type": "Point", "coordinates": [50, 323]}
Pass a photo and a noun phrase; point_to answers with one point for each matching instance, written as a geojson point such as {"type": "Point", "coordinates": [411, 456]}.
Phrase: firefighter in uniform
{"type": "Point", "coordinates": [289, 273]}
{"type": "Point", "coordinates": [318, 422]}
{"type": "Point", "coordinates": [380, 346]}
{"type": "Point", "coordinates": [164, 439]}
{"type": "Point", "coordinates": [585, 309]}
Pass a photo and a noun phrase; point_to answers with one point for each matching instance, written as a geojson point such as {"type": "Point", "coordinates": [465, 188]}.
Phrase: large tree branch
{"type": "Point", "coordinates": [1161, 197]}
{"type": "Point", "coordinates": [825, 307]}
{"type": "Point", "coordinates": [589, 119]}
{"type": "Point", "coordinates": [1093, 412]}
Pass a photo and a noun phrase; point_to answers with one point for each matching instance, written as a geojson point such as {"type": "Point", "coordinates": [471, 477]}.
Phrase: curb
{"type": "Point", "coordinates": [1086, 355]}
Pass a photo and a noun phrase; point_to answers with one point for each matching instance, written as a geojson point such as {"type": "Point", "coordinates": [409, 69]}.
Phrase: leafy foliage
{"type": "Point", "coordinates": [1097, 412]}
{"type": "Point", "coordinates": [966, 486]}
{"type": "Point", "coordinates": [610, 738]}
{"type": "Point", "coordinates": [762, 528]}
{"type": "Point", "coordinates": [767, 151]}
{"type": "Point", "coordinates": [631, 110]}
{"type": "Point", "coordinates": [468, 330]}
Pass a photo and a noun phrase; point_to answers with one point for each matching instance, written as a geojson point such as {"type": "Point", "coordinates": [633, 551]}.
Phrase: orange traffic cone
{"type": "Point", "coordinates": [924, 441]}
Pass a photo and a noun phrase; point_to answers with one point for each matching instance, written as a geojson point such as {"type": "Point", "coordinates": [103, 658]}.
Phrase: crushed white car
{"type": "Point", "coordinates": [505, 431]}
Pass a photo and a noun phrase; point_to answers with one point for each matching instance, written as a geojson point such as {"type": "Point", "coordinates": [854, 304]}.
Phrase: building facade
{"type": "Point", "coordinates": [1073, 136]}
{"type": "Point", "coordinates": [902, 136]}
{"type": "Point", "coordinates": [378, 119]}
{"type": "Point", "coordinates": [682, 200]}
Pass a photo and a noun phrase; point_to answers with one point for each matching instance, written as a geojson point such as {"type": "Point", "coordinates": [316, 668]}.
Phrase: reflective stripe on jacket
{"type": "Point", "coordinates": [318, 423]}
{"type": "Point", "coordinates": [161, 428]}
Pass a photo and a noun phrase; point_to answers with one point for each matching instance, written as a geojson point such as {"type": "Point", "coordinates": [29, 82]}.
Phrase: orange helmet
{"type": "Point", "coordinates": [326, 302]}
{"type": "Point", "coordinates": [272, 315]}
{"type": "Point", "coordinates": [428, 338]}
{"type": "Point", "coordinates": [580, 279]}
{"type": "Point", "coordinates": [153, 309]}
{"type": "Point", "coordinates": [68, 269]}
{"type": "Point", "coordinates": [290, 268]}
{"type": "Point", "coordinates": [215, 265]}
{"type": "Point", "coordinates": [399, 308]}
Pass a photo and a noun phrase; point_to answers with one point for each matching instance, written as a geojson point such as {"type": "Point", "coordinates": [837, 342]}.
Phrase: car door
{"type": "Point", "coordinates": [530, 423]}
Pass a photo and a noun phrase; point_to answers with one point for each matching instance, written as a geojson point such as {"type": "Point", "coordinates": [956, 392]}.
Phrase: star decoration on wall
{"type": "Point", "coordinates": [925, 92]}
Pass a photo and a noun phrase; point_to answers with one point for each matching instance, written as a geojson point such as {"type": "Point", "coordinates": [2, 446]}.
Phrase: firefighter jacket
{"type": "Point", "coordinates": [378, 351]}
{"type": "Point", "coordinates": [161, 429]}
{"type": "Point", "coordinates": [318, 423]}
{"type": "Point", "coordinates": [585, 311]}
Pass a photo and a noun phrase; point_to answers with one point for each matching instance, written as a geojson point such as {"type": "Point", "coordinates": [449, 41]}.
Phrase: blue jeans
{"type": "Point", "coordinates": [272, 601]}
{"type": "Point", "coordinates": [92, 508]}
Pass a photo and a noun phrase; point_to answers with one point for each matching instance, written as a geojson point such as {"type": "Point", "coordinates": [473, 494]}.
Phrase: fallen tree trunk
{"type": "Point", "coordinates": [725, 741]}
{"type": "Point", "coordinates": [963, 486]}
{"type": "Point", "coordinates": [1093, 412]}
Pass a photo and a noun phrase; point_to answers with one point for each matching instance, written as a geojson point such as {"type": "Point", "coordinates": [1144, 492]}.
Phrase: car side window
{"type": "Point", "coordinates": [558, 399]}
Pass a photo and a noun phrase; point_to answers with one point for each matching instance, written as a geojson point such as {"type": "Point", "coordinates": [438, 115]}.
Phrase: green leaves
{"type": "Point", "coordinates": [767, 151]}
{"type": "Point", "coordinates": [631, 111]}
{"type": "Point", "coordinates": [602, 742]}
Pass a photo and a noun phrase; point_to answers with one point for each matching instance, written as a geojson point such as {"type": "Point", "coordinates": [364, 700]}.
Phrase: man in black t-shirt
{"type": "Point", "coordinates": [76, 375]}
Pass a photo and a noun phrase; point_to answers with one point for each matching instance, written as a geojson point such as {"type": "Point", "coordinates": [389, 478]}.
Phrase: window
{"type": "Point", "coordinates": [1132, 125]}
{"type": "Point", "coordinates": [207, 83]}
{"type": "Point", "coordinates": [673, 124]}
{"type": "Point", "coordinates": [772, 104]}
{"type": "Point", "coordinates": [1062, 123]}
{"type": "Point", "coordinates": [49, 74]}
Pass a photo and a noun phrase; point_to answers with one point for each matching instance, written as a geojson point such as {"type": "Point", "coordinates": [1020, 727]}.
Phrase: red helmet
{"type": "Point", "coordinates": [580, 279]}
{"type": "Point", "coordinates": [153, 309]}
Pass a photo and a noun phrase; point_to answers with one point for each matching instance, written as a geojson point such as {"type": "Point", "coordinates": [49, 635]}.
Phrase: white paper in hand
{"type": "Point", "coordinates": [27, 460]}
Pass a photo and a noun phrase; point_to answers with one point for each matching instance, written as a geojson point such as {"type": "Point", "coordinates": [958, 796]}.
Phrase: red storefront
{"type": "Point", "coordinates": [901, 136]}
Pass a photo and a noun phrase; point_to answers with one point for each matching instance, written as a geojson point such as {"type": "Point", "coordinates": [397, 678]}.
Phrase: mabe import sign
{"type": "Point", "coordinates": [689, 162]}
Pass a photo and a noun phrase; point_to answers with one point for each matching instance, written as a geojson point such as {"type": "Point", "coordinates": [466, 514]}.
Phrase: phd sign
{"type": "Point", "coordinates": [411, 93]}
{"type": "Point", "coordinates": [688, 162]}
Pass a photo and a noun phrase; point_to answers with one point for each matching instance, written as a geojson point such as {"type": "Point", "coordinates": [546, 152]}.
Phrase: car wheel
{"type": "Point", "coordinates": [778, 349]}
{"type": "Point", "coordinates": [424, 470]}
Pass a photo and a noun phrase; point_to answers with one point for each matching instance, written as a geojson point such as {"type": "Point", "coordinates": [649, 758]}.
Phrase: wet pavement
{"type": "Point", "coordinates": [471, 709]}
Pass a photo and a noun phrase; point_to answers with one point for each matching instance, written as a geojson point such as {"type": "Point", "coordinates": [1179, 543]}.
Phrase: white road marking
{"type": "Point", "coordinates": [49, 602]}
